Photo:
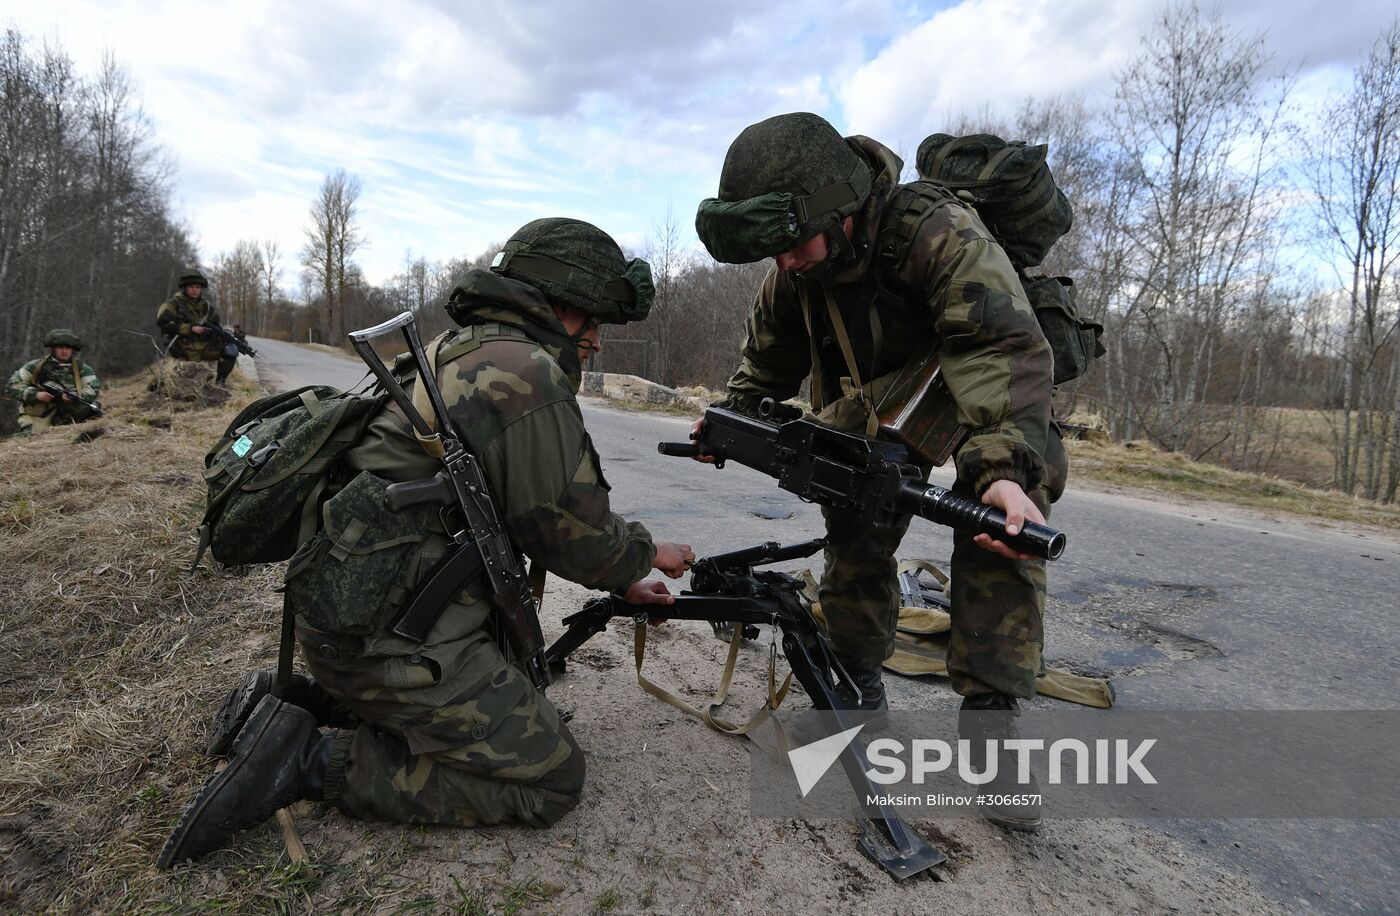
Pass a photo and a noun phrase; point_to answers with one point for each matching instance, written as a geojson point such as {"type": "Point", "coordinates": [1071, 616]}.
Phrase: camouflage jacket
{"type": "Point", "coordinates": [954, 289]}
{"type": "Point", "coordinates": [179, 313]}
{"type": "Point", "coordinates": [76, 375]}
{"type": "Point", "coordinates": [509, 383]}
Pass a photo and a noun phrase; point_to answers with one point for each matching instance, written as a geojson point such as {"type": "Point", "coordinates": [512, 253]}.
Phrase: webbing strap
{"type": "Point", "coordinates": [995, 162]}
{"type": "Point", "coordinates": [285, 649]}
{"type": "Point", "coordinates": [816, 393]}
{"type": "Point", "coordinates": [432, 445]}
{"type": "Point", "coordinates": [313, 403]}
{"type": "Point", "coordinates": [922, 566]}
{"type": "Point", "coordinates": [838, 326]}
{"type": "Point", "coordinates": [776, 695]}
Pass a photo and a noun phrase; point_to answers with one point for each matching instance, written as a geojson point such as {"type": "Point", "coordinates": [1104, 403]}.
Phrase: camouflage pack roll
{"type": "Point", "coordinates": [1010, 185]}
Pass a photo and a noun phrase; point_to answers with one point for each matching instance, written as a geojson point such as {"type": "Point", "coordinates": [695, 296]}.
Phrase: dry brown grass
{"type": "Point", "coordinates": [111, 655]}
{"type": "Point", "coordinates": [1139, 464]}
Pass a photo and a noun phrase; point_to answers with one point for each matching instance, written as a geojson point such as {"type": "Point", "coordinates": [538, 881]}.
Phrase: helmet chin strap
{"type": "Point", "coordinates": [839, 251]}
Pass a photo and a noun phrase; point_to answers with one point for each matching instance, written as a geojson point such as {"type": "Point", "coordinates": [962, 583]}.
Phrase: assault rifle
{"type": "Point", "coordinates": [848, 471]}
{"type": "Point", "coordinates": [727, 591]}
{"type": "Point", "coordinates": [60, 392]}
{"type": "Point", "coordinates": [464, 504]}
{"type": "Point", "coordinates": [225, 336]}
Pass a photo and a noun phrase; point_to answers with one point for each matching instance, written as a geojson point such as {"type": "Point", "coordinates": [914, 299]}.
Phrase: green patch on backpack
{"type": "Point", "coordinates": [269, 471]}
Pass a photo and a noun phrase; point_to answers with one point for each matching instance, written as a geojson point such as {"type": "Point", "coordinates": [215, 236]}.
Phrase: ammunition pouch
{"type": "Point", "coordinates": [359, 569]}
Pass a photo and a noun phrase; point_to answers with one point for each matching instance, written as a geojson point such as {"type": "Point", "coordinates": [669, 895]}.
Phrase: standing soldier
{"type": "Point", "coordinates": [450, 731]}
{"type": "Point", "coordinates": [58, 370]}
{"type": "Point", "coordinates": [869, 273]}
{"type": "Point", "coordinates": [185, 320]}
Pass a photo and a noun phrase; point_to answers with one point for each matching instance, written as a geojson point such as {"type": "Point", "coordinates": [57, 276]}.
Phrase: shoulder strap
{"type": "Point", "coordinates": [39, 368]}
{"type": "Point", "coordinates": [911, 205]}
{"type": "Point", "coordinates": [77, 375]}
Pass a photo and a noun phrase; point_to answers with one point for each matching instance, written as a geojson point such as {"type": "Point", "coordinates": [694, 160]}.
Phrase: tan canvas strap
{"type": "Point", "coordinates": [923, 566]}
{"type": "Point", "coordinates": [77, 375]}
{"type": "Point", "coordinates": [776, 695]}
{"type": "Point", "coordinates": [816, 394]}
{"type": "Point", "coordinates": [432, 445]}
{"type": "Point", "coordinates": [838, 326]}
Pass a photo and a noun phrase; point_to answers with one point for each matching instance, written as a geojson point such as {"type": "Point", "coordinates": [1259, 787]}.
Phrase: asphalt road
{"type": "Point", "coordinates": [1186, 606]}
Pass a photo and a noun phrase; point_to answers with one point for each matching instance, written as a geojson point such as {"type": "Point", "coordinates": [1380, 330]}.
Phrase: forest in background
{"type": "Point", "coordinates": [1206, 197]}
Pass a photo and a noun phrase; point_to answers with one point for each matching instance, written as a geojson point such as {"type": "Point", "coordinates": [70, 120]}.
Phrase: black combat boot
{"type": "Point", "coordinates": [1003, 800]}
{"type": "Point", "coordinates": [872, 691]}
{"type": "Point", "coordinates": [243, 699]}
{"type": "Point", "coordinates": [278, 758]}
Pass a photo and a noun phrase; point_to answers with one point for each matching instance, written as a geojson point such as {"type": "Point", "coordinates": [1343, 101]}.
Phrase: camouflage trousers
{"type": "Point", "coordinates": [451, 734]}
{"type": "Point", "coordinates": [193, 350]}
{"type": "Point", "coordinates": [998, 605]}
{"type": "Point", "coordinates": [31, 423]}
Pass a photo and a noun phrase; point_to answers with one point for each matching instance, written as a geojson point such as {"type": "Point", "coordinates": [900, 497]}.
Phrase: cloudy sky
{"type": "Point", "coordinates": [466, 119]}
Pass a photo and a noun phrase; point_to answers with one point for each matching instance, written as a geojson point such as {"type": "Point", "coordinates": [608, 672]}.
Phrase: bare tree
{"type": "Point", "coordinates": [270, 274]}
{"type": "Point", "coordinates": [1355, 178]}
{"type": "Point", "coordinates": [1204, 219]}
{"type": "Point", "coordinates": [331, 241]}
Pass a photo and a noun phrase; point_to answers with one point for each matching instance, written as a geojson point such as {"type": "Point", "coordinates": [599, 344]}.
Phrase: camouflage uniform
{"type": "Point", "coordinates": [954, 287]}
{"type": "Point", "coordinates": [39, 415]}
{"type": "Point", "coordinates": [177, 315]}
{"type": "Point", "coordinates": [453, 733]}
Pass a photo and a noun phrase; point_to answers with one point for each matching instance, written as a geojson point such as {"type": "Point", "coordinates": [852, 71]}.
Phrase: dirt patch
{"type": "Point", "coordinates": [113, 657]}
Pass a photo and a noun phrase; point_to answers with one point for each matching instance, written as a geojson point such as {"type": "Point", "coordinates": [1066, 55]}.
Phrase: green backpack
{"type": "Point", "coordinates": [269, 471]}
{"type": "Point", "coordinates": [1010, 186]}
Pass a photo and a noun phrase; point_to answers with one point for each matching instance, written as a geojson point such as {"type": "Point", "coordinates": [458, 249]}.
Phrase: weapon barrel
{"type": "Point", "coordinates": [678, 449]}
{"type": "Point", "coordinates": [941, 505]}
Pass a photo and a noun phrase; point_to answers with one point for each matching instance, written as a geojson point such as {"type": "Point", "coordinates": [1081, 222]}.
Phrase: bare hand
{"type": "Point", "coordinates": [43, 396]}
{"type": "Point", "coordinates": [1008, 496]}
{"type": "Point", "coordinates": [199, 329]}
{"type": "Point", "coordinates": [674, 559]}
{"type": "Point", "coordinates": [648, 591]}
{"type": "Point", "coordinates": [695, 437]}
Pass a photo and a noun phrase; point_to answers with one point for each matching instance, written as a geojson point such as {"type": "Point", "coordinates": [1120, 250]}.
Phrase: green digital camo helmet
{"type": "Point", "coordinates": [62, 337]}
{"type": "Point", "coordinates": [785, 180]}
{"type": "Point", "coordinates": [192, 275]}
{"type": "Point", "coordinates": [578, 264]}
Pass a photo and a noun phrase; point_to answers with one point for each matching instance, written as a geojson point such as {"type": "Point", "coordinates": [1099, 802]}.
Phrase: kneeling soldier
{"type": "Point", "coordinates": [60, 369]}
{"type": "Point", "coordinates": [449, 731]}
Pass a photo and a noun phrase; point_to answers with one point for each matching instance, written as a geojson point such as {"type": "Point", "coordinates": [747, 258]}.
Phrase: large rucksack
{"type": "Point", "coordinates": [1010, 186]}
{"type": "Point", "coordinates": [268, 473]}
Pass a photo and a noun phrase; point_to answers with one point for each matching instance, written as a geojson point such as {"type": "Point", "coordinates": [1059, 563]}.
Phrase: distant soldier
{"type": "Point", "coordinates": [238, 332]}
{"type": "Point", "coordinates": [185, 320]}
{"type": "Point", "coordinates": [58, 370]}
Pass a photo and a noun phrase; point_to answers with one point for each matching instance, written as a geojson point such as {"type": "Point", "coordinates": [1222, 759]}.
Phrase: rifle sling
{"type": "Point", "coordinates": [776, 695]}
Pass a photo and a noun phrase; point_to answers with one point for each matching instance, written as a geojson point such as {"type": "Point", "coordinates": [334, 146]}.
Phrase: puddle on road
{"type": "Point", "coordinates": [1126, 627]}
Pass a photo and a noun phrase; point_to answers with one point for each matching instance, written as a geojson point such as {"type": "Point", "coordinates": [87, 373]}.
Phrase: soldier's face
{"type": "Point", "coordinates": [194, 290]}
{"type": "Point", "coordinates": [805, 256]}
{"type": "Point", "coordinates": [62, 354]}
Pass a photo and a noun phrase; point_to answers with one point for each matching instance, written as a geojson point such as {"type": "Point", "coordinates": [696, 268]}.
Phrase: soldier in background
{"type": "Point", "coordinates": [844, 299]}
{"type": "Point", "coordinates": [450, 732]}
{"type": "Point", "coordinates": [42, 409]}
{"type": "Point", "coordinates": [185, 319]}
